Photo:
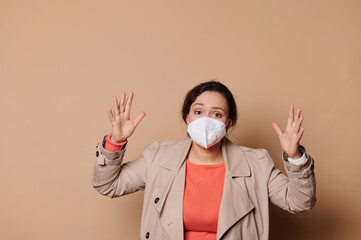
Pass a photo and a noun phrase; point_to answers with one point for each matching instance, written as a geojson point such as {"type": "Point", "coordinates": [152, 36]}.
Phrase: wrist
{"type": "Point", "coordinates": [297, 155]}
{"type": "Point", "coordinates": [115, 141]}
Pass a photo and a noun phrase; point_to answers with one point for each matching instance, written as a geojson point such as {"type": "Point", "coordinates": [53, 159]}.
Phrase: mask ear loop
{"type": "Point", "coordinates": [227, 123]}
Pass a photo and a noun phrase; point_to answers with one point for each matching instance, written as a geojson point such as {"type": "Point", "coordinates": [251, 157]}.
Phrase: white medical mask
{"type": "Point", "coordinates": [206, 131]}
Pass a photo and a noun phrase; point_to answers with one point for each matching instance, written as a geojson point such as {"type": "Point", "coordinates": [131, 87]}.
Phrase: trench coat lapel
{"type": "Point", "coordinates": [235, 202]}
{"type": "Point", "coordinates": [171, 208]}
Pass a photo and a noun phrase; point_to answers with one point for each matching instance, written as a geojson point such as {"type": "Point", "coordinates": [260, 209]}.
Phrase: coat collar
{"type": "Point", "coordinates": [237, 166]}
{"type": "Point", "coordinates": [235, 202]}
{"type": "Point", "coordinates": [173, 157]}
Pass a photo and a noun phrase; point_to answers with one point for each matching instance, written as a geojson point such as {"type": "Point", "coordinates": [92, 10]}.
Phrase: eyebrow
{"type": "Point", "coordinates": [201, 104]}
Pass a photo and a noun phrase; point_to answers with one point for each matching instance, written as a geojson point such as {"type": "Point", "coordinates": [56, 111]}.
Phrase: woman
{"type": "Point", "coordinates": [205, 187]}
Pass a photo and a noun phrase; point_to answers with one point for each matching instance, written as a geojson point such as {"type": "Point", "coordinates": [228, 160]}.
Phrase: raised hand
{"type": "Point", "coordinates": [122, 126]}
{"type": "Point", "coordinates": [292, 135]}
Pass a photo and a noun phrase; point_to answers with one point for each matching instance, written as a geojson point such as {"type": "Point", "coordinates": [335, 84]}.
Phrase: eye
{"type": "Point", "coordinates": [216, 114]}
{"type": "Point", "coordinates": [198, 112]}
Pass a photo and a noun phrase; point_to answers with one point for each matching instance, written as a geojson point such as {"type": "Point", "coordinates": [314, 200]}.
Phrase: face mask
{"type": "Point", "coordinates": [206, 131]}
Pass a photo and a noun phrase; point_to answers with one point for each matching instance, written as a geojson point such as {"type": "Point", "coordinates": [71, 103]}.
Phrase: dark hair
{"type": "Point", "coordinates": [212, 86]}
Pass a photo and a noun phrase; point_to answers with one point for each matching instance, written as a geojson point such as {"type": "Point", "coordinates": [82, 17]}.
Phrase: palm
{"type": "Point", "coordinates": [290, 138]}
{"type": "Point", "coordinates": [122, 126]}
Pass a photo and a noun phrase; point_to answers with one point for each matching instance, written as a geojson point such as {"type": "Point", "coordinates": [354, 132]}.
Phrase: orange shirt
{"type": "Point", "coordinates": [202, 199]}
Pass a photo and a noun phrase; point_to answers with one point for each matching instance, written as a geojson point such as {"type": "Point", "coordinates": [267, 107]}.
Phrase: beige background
{"type": "Point", "coordinates": [62, 61]}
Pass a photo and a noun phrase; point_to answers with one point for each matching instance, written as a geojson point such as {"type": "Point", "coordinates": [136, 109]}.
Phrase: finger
{"type": "Point", "coordinates": [138, 118]}
{"type": "Point", "coordinates": [110, 114]}
{"type": "Point", "coordinates": [115, 106]}
{"type": "Point", "coordinates": [290, 116]}
{"type": "Point", "coordinates": [298, 125]}
{"type": "Point", "coordinates": [122, 101]}
{"type": "Point", "coordinates": [129, 103]}
{"type": "Point", "coordinates": [297, 116]}
{"type": "Point", "coordinates": [277, 129]}
{"type": "Point", "coordinates": [300, 134]}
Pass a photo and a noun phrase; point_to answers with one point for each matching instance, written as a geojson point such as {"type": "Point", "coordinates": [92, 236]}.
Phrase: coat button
{"type": "Point", "coordinates": [156, 200]}
{"type": "Point", "coordinates": [147, 235]}
{"type": "Point", "coordinates": [97, 154]}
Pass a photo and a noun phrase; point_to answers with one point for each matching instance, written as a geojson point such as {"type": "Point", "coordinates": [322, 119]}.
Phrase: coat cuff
{"type": "Point", "coordinates": [303, 170]}
{"type": "Point", "coordinates": [105, 157]}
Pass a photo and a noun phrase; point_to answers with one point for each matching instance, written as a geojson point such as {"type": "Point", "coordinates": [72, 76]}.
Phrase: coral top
{"type": "Point", "coordinates": [202, 199]}
{"type": "Point", "coordinates": [202, 196]}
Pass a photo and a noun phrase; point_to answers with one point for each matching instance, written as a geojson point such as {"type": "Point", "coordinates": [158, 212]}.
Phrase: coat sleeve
{"type": "Point", "coordinates": [113, 178]}
{"type": "Point", "coordinates": [295, 192]}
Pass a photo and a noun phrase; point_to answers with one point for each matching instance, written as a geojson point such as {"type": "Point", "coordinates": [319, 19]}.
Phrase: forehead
{"type": "Point", "coordinates": [211, 99]}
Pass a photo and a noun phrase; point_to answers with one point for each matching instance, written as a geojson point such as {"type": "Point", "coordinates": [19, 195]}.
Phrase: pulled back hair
{"type": "Point", "coordinates": [212, 86]}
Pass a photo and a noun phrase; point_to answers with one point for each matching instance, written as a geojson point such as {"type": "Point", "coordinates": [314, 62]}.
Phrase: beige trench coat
{"type": "Point", "coordinates": [250, 182]}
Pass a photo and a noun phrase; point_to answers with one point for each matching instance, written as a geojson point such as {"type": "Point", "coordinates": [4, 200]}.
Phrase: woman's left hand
{"type": "Point", "coordinates": [292, 135]}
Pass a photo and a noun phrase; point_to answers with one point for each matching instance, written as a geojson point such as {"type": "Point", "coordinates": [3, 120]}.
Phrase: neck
{"type": "Point", "coordinates": [210, 156]}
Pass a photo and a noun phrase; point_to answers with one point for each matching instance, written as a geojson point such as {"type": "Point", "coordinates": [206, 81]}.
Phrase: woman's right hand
{"type": "Point", "coordinates": [122, 126]}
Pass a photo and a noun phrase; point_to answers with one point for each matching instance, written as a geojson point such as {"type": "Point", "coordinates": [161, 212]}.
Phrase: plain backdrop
{"type": "Point", "coordinates": [62, 61]}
